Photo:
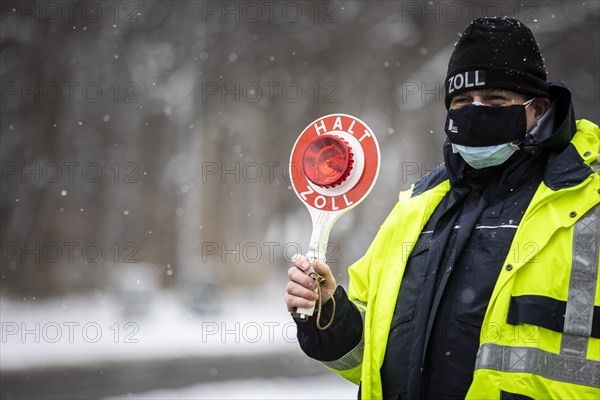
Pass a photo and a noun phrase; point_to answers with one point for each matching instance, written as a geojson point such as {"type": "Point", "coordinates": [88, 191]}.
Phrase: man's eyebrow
{"type": "Point", "coordinates": [497, 91]}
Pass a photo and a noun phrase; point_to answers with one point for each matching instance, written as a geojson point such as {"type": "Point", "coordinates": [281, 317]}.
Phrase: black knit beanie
{"type": "Point", "coordinates": [498, 52]}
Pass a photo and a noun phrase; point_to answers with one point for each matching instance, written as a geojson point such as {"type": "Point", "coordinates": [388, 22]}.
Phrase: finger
{"type": "Point", "coordinates": [300, 261]}
{"type": "Point", "coordinates": [300, 291]}
{"type": "Point", "coordinates": [293, 302]}
{"type": "Point", "coordinates": [301, 278]}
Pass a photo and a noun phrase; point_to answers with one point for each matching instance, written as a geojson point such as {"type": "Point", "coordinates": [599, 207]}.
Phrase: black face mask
{"type": "Point", "coordinates": [479, 125]}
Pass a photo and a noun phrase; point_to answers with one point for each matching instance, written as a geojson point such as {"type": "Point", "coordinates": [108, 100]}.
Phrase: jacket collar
{"type": "Point", "coordinates": [563, 129]}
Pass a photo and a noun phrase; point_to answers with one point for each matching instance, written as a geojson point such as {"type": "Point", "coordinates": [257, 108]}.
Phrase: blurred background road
{"type": "Point", "coordinates": [146, 212]}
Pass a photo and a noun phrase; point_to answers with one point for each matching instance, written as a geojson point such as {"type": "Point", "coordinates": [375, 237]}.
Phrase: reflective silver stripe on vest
{"type": "Point", "coordinates": [558, 367]}
{"type": "Point", "coordinates": [582, 286]}
{"type": "Point", "coordinates": [571, 365]}
{"type": "Point", "coordinates": [354, 357]}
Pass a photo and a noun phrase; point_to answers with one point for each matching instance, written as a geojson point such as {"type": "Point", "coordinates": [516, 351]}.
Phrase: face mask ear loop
{"type": "Point", "coordinates": [528, 102]}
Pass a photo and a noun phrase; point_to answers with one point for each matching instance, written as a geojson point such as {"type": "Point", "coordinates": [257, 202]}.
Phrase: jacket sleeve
{"type": "Point", "coordinates": [337, 340]}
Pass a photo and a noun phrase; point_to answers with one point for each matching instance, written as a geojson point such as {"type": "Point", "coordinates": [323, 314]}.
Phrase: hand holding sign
{"type": "Point", "coordinates": [333, 167]}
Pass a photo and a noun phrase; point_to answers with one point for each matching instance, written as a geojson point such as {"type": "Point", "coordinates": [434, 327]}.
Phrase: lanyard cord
{"type": "Point", "coordinates": [321, 282]}
{"type": "Point", "coordinates": [319, 303]}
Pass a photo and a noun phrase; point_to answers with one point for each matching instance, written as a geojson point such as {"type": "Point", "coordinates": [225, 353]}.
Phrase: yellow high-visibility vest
{"type": "Point", "coordinates": [553, 261]}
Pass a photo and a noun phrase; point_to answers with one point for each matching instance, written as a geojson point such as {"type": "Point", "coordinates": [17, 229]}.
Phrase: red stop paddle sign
{"type": "Point", "coordinates": [333, 167]}
{"type": "Point", "coordinates": [334, 163]}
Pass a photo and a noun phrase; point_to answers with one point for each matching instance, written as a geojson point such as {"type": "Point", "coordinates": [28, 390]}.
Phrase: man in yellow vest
{"type": "Point", "coordinates": [483, 280]}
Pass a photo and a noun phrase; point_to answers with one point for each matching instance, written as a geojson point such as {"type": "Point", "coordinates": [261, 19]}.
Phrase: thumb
{"type": "Point", "coordinates": [323, 269]}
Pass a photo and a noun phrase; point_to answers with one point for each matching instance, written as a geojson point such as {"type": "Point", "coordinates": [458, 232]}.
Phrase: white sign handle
{"type": "Point", "coordinates": [322, 222]}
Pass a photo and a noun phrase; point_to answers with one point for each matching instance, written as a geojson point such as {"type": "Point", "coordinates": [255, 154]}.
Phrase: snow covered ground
{"type": "Point", "coordinates": [85, 331]}
{"type": "Point", "coordinates": [328, 386]}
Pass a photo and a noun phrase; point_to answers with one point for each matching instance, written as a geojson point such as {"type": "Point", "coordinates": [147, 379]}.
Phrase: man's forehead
{"type": "Point", "coordinates": [489, 91]}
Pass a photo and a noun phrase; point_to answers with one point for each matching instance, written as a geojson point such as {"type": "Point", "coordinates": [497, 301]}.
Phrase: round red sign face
{"type": "Point", "coordinates": [327, 161]}
{"type": "Point", "coordinates": [334, 163]}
